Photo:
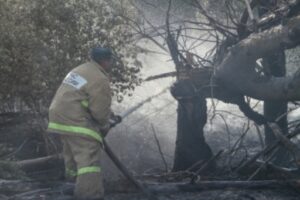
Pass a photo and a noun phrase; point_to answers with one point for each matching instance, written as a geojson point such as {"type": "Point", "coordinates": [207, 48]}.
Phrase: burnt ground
{"type": "Point", "coordinates": [21, 141]}
{"type": "Point", "coordinates": [33, 190]}
{"type": "Point", "coordinates": [226, 194]}
{"type": "Point", "coordinates": [220, 195]}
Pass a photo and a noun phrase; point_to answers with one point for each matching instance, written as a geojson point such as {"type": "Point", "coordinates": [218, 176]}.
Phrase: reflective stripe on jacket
{"type": "Point", "coordinates": [82, 102]}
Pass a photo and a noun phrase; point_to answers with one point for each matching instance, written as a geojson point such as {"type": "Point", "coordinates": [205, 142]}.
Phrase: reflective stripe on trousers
{"type": "Point", "coordinates": [75, 129]}
{"type": "Point", "coordinates": [85, 103]}
{"type": "Point", "coordinates": [83, 170]}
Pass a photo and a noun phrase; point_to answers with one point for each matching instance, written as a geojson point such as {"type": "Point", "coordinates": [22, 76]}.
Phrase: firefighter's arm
{"type": "Point", "coordinates": [100, 102]}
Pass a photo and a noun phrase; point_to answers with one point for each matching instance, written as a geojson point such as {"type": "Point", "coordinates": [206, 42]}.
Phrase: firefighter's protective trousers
{"type": "Point", "coordinates": [82, 163]}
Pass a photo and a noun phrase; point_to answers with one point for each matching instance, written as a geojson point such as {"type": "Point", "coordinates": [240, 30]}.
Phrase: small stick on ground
{"type": "Point", "coordinates": [198, 164]}
{"type": "Point", "coordinates": [267, 149]}
{"type": "Point", "coordinates": [263, 165]}
{"type": "Point", "coordinates": [159, 149]}
{"type": "Point", "coordinates": [204, 166]}
{"type": "Point", "coordinates": [293, 148]}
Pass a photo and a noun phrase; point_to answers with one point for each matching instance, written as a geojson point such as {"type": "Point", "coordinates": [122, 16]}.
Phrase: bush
{"type": "Point", "coordinates": [42, 40]}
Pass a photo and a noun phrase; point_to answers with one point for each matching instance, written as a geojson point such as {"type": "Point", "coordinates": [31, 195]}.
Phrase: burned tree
{"type": "Point", "coordinates": [230, 70]}
{"type": "Point", "coordinates": [275, 65]}
{"type": "Point", "coordinates": [190, 143]}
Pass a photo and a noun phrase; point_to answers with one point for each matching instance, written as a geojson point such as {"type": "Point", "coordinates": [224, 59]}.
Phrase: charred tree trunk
{"type": "Point", "coordinates": [190, 143]}
{"type": "Point", "coordinates": [274, 65]}
{"type": "Point", "coordinates": [191, 118]}
{"type": "Point", "coordinates": [274, 110]}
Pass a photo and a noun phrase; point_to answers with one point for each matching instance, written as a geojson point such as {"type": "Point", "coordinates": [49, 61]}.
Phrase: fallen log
{"type": "Point", "coordinates": [34, 168]}
{"type": "Point", "coordinates": [42, 163]}
{"type": "Point", "coordinates": [11, 187]}
{"type": "Point", "coordinates": [25, 190]}
{"type": "Point", "coordinates": [221, 185]}
{"type": "Point", "coordinates": [17, 188]}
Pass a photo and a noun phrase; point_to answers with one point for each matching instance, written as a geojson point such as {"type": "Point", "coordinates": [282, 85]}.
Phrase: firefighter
{"type": "Point", "coordinates": [80, 113]}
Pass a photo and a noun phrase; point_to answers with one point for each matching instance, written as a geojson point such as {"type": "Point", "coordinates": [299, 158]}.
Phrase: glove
{"type": "Point", "coordinates": [117, 119]}
{"type": "Point", "coordinates": [114, 120]}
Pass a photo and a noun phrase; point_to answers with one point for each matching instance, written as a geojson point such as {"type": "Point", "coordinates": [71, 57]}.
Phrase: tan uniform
{"type": "Point", "coordinates": [80, 106]}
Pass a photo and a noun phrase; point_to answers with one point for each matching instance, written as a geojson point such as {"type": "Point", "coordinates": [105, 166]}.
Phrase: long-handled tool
{"type": "Point", "coordinates": [115, 159]}
{"type": "Point", "coordinates": [126, 173]}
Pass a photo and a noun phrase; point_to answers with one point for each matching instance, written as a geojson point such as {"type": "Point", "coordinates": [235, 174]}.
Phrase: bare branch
{"type": "Point", "coordinates": [293, 148]}
{"type": "Point", "coordinates": [159, 76]}
{"type": "Point", "coordinates": [159, 149]}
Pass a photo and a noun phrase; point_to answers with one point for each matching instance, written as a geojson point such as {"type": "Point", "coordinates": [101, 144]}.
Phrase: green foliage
{"type": "Point", "coordinates": [42, 40]}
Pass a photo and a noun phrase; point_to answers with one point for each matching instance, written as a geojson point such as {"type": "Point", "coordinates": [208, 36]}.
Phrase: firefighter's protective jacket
{"type": "Point", "coordinates": [82, 102]}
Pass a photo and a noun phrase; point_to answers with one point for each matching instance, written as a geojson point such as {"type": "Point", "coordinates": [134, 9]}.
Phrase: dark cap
{"type": "Point", "coordinates": [98, 54]}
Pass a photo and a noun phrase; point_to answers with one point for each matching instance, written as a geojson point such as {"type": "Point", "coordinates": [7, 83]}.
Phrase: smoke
{"type": "Point", "coordinates": [134, 140]}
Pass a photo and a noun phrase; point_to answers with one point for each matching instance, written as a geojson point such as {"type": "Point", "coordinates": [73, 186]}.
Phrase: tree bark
{"type": "Point", "coordinates": [42, 163]}
{"type": "Point", "coordinates": [238, 72]}
{"type": "Point", "coordinates": [274, 65]}
{"type": "Point", "coordinates": [276, 109]}
{"type": "Point", "coordinates": [190, 142]}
